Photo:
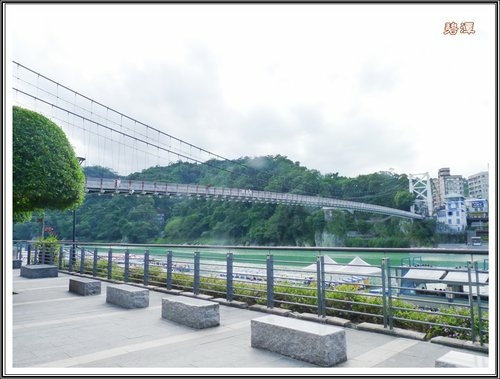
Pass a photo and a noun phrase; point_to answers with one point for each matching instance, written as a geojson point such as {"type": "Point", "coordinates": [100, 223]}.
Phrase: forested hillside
{"type": "Point", "coordinates": [142, 219]}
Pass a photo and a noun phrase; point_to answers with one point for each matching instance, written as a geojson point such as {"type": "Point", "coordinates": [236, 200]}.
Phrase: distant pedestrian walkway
{"type": "Point", "coordinates": [57, 331]}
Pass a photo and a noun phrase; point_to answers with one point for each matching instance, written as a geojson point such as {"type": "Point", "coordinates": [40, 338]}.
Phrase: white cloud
{"type": "Point", "coordinates": [341, 88]}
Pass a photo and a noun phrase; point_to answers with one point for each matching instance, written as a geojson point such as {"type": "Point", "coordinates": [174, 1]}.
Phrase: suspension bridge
{"type": "Point", "coordinates": [109, 138]}
{"type": "Point", "coordinates": [101, 185]}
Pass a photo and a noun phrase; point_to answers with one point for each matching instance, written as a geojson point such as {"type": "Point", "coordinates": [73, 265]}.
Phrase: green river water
{"type": "Point", "coordinates": [292, 257]}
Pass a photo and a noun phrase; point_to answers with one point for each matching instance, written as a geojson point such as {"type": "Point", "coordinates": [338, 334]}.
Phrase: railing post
{"type": "Point", "coordinates": [94, 263]}
{"type": "Point", "coordinates": [60, 263]}
{"type": "Point", "coordinates": [110, 263]}
{"type": "Point", "coordinates": [479, 312]}
{"type": "Point", "coordinates": [471, 302]}
{"type": "Point", "coordinates": [146, 268]}
{"type": "Point", "coordinates": [389, 292]}
{"type": "Point", "coordinates": [320, 284]}
{"type": "Point", "coordinates": [169, 270]}
{"type": "Point", "coordinates": [28, 258]}
{"type": "Point", "coordinates": [229, 277]}
{"type": "Point", "coordinates": [70, 261]}
{"type": "Point", "coordinates": [72, 256]}
{"type": "Point", "coordinates": [270, 281]}
{"type": "Point", "coordinates": [196, 282]}
{"type": "Point", "coordinates": [82, 260]}
{"type": "Point", "coordinates": [126, 270]}
{"type": "Point", "coordinates": [384, 300]}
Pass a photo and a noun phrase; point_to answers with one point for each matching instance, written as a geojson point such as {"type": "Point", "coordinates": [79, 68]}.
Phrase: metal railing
{"type": "Point", "coordinates": [450, 301]}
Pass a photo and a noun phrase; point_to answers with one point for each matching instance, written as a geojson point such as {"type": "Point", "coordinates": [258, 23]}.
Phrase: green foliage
{"type": "Point", "coordinates": [345, 300]}
{"type": "Point", "coordinates": [50, 247]}
{"type": "Point", "coordinates": [46, 172]}
{"type": "Point", "coordinates": [396, 242]}
{"type": "Point", "coordinates": [423, 232]}
{"type": "Point", "coordinates": [21, 217]}
{"type": "Point", "coordinates": [145, 219]}
{"type": "Point", "coordinates": [404, 200]}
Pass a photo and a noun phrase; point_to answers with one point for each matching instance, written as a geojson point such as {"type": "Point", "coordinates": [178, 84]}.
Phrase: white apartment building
{"type": "Point", "coordinates": [454, 214]}
{"type": "Point", "coordinates": [479, 185]}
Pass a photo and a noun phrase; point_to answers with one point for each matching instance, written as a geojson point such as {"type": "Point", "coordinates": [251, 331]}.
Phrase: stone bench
{"type": "Point", "coordinates": [321, 344]}
{"type": "Point", "coordinates": [85, 286]}
{"type": "Point", "coordinates": [459, 359]}
{"type": "Point", "coordinates": [39, 271]}
{"type": "Point", "coordinates": [195, 313]}
{"type": "Point", "coordinates": [127, 296]}
{"type": "Point", "coordinates": [16, 263]}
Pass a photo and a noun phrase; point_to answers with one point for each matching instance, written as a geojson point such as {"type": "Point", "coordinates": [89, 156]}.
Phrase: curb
{"type": "Point", "coordinates": [235, 304]}
{"type": "Point", "coordinates": [377, 328]}
{"type": "Point", "coordinates": [460, 344]}
{"type": "Point", "coordinates": [265, 309]}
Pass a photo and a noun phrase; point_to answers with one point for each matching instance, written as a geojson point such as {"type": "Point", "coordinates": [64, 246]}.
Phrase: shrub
{"type": "Point", "coordinates": [48, 250]}
{"type": "Point", "coordinates": [344, 301]}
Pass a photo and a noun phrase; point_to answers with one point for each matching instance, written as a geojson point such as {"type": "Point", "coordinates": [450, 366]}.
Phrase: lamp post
{"type": "Point", "coordinates": [73, 250]}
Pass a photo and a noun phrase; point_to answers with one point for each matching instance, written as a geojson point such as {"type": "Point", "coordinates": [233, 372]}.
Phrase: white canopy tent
{"type": "Point", "coordinates": [353, 272]}
{"type": "Point", "coordinates": [330, 265]}
{"type": "Point", "coordinates": [359, 267]}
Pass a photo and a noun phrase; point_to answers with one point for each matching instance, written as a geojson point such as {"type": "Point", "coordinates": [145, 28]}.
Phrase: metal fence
{"type": "Point", "coordinates": [449, 301]}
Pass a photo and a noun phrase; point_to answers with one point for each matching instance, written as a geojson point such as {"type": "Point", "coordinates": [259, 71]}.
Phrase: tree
{"type": "Point", "coordinates": [46, 172]}
{"type": "Point", "coordinates": [404, 200]}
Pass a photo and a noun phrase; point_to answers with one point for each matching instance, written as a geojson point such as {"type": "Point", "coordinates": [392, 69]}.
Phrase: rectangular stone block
{"type": "Point", "coordinates": [39, 271]}
{"type": "Point", "coordinates": [192, 312]}
{"type": "Point", "coordinates": [85, 286]}
{"type": "Point", "coordinates": [16, 263]}
{"type": "Point", "coordinates": [459, 359]}
{"type": "Point", "coordinates": [320, 344]}
{"type": "Point", "coordinates": [127, 296]}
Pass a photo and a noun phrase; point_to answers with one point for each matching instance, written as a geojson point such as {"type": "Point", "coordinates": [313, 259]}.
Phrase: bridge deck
{"type": "Point", "coordinates": [103, 185]}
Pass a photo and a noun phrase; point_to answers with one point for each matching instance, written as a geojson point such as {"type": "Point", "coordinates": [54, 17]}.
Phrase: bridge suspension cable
{"type": "Point", "coordinates": [54, 100]}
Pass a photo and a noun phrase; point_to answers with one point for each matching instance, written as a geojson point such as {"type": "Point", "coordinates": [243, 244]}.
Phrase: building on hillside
{"type": "Point", "coordinates": [447, 184]}
{"type": "Point", "coordinates": [477, 211]}
{"type": "Point", "coordinates": [479, 185]}
{"type": "Point", "coordinates": [454, 213]}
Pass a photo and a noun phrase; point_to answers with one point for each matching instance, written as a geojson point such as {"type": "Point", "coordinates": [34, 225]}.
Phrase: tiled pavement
{"type": "Point", "coordinates": [56, 331]}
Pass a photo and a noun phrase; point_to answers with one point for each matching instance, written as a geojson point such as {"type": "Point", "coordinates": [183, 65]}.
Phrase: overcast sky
{"type": "Point", "coordinates": [353, 89]}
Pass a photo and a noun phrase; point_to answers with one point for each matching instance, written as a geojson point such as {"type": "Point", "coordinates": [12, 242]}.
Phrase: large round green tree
{"type": "Point", "coordinates": [46, 172]}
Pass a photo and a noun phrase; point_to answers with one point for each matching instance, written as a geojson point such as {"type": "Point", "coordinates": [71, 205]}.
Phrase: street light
{"type": "Point", "coordinates": [73, 250]}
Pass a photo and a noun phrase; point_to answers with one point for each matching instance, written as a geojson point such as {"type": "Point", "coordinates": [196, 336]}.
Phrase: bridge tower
{"type": "Point", "coordinates": [420, 185]}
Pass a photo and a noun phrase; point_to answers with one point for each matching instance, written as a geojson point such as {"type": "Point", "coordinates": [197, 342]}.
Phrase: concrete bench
{"type": "Point", "coordinates": [127, 296]}
{"type": "Point", "coordinates": [195, 313]}
{"type": "Point", "coordinates": [321, 344]}
{"type": "Point", "coordinates": [39, 271]}
{"type": "Point", "coordinates": [459, 359]}
{"type": "Point", "coordinates": [85, 286]}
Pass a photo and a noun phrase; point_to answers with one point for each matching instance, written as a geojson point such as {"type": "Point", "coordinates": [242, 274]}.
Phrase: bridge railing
{"type": "Point", "coordinates": [447, 301]}
{"type": "Point", "coordinates": [104, 185]}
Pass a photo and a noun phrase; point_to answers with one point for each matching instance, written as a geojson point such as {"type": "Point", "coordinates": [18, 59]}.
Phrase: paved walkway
{"type": "Point", "coordinates": [56, 331]}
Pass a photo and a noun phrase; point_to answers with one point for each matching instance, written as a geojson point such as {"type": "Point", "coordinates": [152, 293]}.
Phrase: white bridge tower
{"type": "Point", "coordinates": [420, 185]}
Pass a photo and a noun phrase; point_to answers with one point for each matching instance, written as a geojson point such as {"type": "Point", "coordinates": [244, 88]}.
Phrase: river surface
{"type": "Point", "coordinates": [297, 258]}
